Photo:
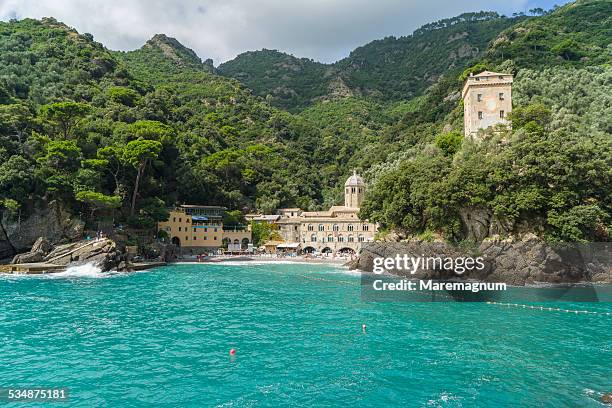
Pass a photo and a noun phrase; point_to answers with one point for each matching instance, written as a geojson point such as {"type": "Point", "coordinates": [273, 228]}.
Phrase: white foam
{"type": "Point", "coordinates": [88, 270]}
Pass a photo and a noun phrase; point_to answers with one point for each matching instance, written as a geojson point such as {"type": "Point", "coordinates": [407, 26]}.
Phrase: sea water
{"type": "Point", "coordinates": [162, 338]}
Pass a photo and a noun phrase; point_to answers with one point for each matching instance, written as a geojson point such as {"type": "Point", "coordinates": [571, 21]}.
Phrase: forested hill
{"type": "Point", "coordinates": [390, 69]}
{"type": "Point", "coordinates": [123, 135]}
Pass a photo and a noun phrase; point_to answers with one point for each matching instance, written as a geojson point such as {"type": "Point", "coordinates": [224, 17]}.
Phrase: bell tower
{"type": "Point", "coordinates": [354, 190]}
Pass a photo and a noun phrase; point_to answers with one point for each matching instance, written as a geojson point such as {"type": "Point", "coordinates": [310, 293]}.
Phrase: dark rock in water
{"type": "Point", "coordinates": [607, 398]}
{"type": "Point", "coordinates": [514, 260]}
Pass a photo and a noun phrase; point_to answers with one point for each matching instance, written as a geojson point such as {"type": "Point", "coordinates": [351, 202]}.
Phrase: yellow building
{"type": "Point", "coordinates": [199, 229]}
{"type": "Point", "coordinates": [487, 101]}
{"type": "Point", "coordinates": [337, 230]}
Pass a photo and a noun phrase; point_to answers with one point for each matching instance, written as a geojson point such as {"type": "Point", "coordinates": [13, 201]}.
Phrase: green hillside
{"type": "Point", "coordinates": [391, 69]}
{"type": "Point", "coordinates": [94, 128]}
{"type": "Point", "coordinates": [551, 173]}
{"type": "Point", "coordinates": [122, 135]}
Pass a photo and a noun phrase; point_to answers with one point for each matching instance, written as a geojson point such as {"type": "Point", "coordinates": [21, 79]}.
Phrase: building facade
{"type": "Point", "coordinates": [487, 101]}
{"type": "Point", "coordinates": [338, 230]}
{"type": "Point", "coordinates": [199, 229]}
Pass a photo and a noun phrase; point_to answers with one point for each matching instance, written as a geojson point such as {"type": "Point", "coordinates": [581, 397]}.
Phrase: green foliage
{"type": "Point", "coordinates": [536, 116]}
{"type": "Point", "coordinates": [124, 96]}
{"type": "Point", "coordinates": [449, 143]}
{"type": "Point", "coordinates": [64, 115]}
{"type": "Point", "coordinates": [391, 69]}
{"type": "Point", "coordinates": [262, 232]}
{"type": "Point", "coordinates": [137, 152]}
{"type": "Point", "coordinates": [98, 200]}
{"type": "Point", "coordinates": [578, 30]}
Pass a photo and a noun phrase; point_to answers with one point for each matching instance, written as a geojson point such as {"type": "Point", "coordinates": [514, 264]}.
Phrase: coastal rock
{"type": "Point", "coordinates": [104, 254]}
{"type": "Point", "coordinates": [28, 257]}
{"type": "Point", "coordinates": [54, 223]}
{"type": "Point", "coordinates": [513, 260]}
{"type": "Point", "coordinates": [42, 245]}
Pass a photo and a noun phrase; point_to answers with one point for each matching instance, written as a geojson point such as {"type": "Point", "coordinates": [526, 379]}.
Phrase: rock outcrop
{"type": "Point", "coordinates": [54, 223]}
{"type": "Point", "coordinates": [516, 261]}
{"type": "Point", "coordinates": [103, 253]}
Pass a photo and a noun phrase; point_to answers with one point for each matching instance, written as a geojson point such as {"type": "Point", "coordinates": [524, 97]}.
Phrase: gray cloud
{"type": "Point", "coordinates": [325, 30]}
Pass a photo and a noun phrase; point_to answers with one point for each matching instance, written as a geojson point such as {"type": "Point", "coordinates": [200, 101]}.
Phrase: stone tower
{"type": "Point", "coordinates": [354, 190]}
{"type": "Point", "coordinates": [487, 100]}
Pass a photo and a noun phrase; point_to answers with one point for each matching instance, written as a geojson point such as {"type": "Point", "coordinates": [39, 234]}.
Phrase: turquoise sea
{"type": "Point", "coordinates": [162, 338]}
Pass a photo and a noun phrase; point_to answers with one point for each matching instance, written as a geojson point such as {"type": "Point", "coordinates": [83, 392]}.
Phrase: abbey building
{"type": "Point", "coordinates": [335, 231]}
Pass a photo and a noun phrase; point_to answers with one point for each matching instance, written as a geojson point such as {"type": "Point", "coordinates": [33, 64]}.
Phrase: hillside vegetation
{"type": "Point", "coordinates": [121, 136]}
{"type": "Point", "coordinates": [391, 69]}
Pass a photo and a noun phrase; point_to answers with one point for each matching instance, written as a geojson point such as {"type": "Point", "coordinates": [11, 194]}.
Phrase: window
{"type": "Point", "coordinates": [340, 238]}
{"type": "Point", "coordinates": [479, 97]}
{"type": "Point", "coordinates": [366, 227]}
{"type": "Point", "coordinates": [310, 227]}
{"type": "Point", "coordinates": [313, 238]}
{"type": "Point", "coordinates": [180, 220]}
{"type": "Point", "coordinates": [168, 229]}
{"type": "Point", "coordinates": [361, 238]}
{"type": "Point", "coordinates": [215, 230]}
{"type": "Point", "coordinates": [336, 228]}
{"type": "Point", "coordinates": [194, 230]}
{"type": "Point", "coordinates": [501, 114]}
{"type": "Point", "coordinates": [350, 238]}
{"type": "Point", "coordinates": [321, 227]}
{"type": "Point", "coordinates": [205, 229]}
{"type": "Point", "coordinates": [501, 77]}
{"type": "Point", "coordinates": [194, 238]}
{"type": "Point", "coordinates": [205, 237]}
{"type": "Point", "coordinates": [215, 237]}
{"type": "Point", "coordinates": [179, 229]}
{"type": "Point", "coordinates": [501, 96]}
{"type": "Point", "coordinates": [353, 190]}
{"type": "Point", "coordinates": [174, 219]}
{"type": "Point", "coordinates": [186, 238]}
{"type": "Point", "coordinates": [479, 115]}
{"type": "Point", "coordinates": [350, 227]}
{"type": "Point", "coordinates": [330, 238]}
{"type": "Point", "coordinates": [295, 228]}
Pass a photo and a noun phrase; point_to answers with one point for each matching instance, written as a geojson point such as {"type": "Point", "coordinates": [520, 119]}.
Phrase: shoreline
{"type": "Point", "coordinates": [263, 260]}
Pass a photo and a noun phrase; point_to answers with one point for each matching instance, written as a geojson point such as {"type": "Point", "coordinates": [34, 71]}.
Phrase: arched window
{"type": "Point", "coordinates": [350, 238]}
{"type": "Point", "coordinates": [236, 242]}
{"type": "Point", "coordinates": [336, 228]}
{"type": "Point", "coordinates": [340, 238]}
{"type": "Point", "coordinates": [350, 227]}
{"type": "Point", "coordinates": [330, 238]}
{"type": "Point", "coordinates": [321, 227]}
{"type": "Point", "coordinates": [310, 227]}
{"type": "Point", "coordinates": [361, 238]}
{"type": "Point", "coordinates": [313, 238]}
{"type": "Point", "coordinates": [366, 227]}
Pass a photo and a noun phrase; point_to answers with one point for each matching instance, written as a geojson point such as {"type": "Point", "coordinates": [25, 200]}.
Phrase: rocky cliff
{"type": "Point", "coordinates": [54, 223]}
{"type": "Point", "coordinates": [516, 261]}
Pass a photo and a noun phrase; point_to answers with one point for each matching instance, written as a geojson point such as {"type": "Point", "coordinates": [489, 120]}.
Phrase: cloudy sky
{"type": "Point", "coordinates": [325, 30]}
